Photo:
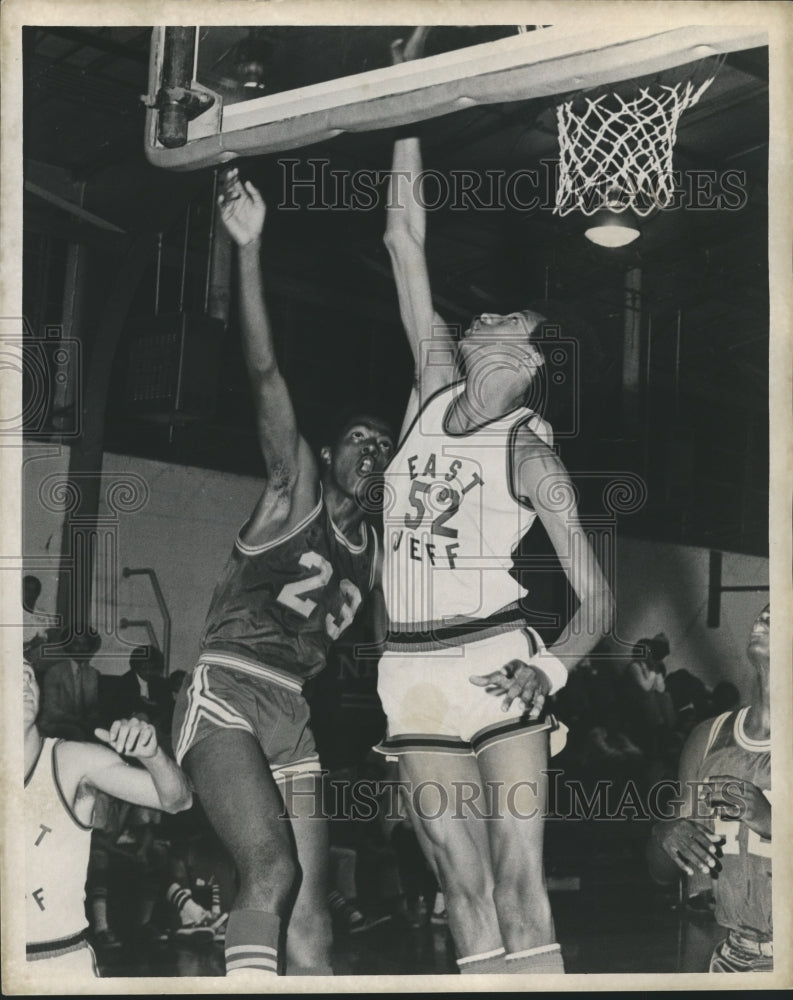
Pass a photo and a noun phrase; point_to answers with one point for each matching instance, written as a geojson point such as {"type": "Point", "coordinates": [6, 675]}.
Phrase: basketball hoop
{"type": "Point", "coordinates": [616, 153]}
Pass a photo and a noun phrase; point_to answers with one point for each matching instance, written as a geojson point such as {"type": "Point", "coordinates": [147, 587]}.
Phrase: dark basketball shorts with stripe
{"type": "Point", "coordinates": [740, 953]}
{"type": "Point", "coordinates": [432, 706]}
{"type": "Point", "coordinates": [218, 697]}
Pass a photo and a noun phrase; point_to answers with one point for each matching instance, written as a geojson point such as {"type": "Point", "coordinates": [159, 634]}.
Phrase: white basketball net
{"type": "Point", "coordinates": [617, 154]}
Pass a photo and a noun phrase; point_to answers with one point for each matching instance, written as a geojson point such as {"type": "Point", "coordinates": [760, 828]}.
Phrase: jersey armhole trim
{"type": "Point", "coordinates": [56, 779]}
{"type": "Point", "coordinates": [715, 729]}
{"type": "Point", "coordinates": [422, 409]}
{"type": "Point", "coordinates": [254, 550]}
{"type": "Point", "coordinates": [32, 771]}
{"type": "Point", "coordinates": [510, 458]}
{"type": "Point", "coordinates": [375, 548]}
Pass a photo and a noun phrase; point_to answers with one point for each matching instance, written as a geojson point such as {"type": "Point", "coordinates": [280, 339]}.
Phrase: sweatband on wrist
{"type": "Point", "coordinates": [550, 665]}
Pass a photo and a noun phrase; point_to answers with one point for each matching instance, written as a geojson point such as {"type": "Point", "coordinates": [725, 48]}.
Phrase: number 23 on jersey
{"type": "Point", "coordinates": [293, 595]}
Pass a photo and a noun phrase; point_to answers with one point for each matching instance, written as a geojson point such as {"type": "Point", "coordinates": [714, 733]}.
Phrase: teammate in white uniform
{"type": "Point", "coordinates": [61, 782]}
{"type": "Point", "coordinates": [463, 680]}
{"type": "Point", "coordinates": [723, 826]}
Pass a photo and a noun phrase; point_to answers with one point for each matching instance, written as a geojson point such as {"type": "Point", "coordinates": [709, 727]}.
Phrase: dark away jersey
{"type": "Point", "coordinates": [283, 603]}
{"type": "Point", "coordinates": [743, 886]}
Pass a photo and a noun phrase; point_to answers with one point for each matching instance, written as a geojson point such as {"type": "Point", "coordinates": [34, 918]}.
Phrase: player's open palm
{"type": "Point", "coordinates": [688, 844]}
{"type": "Point", "coordinates": [516, 679]}
{"type": "Point", "coordinates": [242, 208]}
{"type": "Point", "coordinates": [130, 738]}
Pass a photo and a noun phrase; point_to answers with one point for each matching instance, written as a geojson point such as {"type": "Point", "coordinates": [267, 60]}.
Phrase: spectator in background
{"type": "Point", "coordinates": [36, 624]}
{"type": "Point", "coordinates": [724, 698]}
{"type": "Point", "coordinates": [71, 691]}
{"type": "Point", "coordinates": [649, 705]}
{"type": "Point", "coordinates": [688, 693]}
{"type": "Point", "coordinates": [143, 691]}
{"type": "Point", "coordinates": [174, 681]}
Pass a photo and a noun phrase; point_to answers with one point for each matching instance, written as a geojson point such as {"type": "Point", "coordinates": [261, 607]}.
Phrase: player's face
{"type": "Point", "coordinates": [499, 355]}
{"type": "Point", "coordinates": [497, 337]}
{"type": "Point", "coordinates": [363, 450]}
{"type": "Point", "coordinates": [30, 696]}
{"type": "Point", "coordinates": [759, 638]}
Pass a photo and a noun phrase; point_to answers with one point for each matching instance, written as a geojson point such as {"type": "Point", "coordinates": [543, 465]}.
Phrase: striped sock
{"type": "Point", "coordinates": [545, 959]}
{"type": "Point", "coordinates": [252, 942]}
{"type": "Point", "coordinates": [487, 961]}
{"type": "Point", "coordinates": [190, 913]}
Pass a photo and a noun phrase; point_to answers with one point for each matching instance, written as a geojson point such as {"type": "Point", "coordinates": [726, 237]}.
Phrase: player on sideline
{"type": "Point", "coordinates": [474, 468]}
{"type": "Point", "coordinates": [61, 781]}
{"type": "Point", "coordinates": [298, 572]}
{"type": "Point", "coordinates": [724, 822]}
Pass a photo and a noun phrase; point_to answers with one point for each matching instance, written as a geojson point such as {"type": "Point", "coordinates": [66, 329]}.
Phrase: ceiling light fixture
{"type": "Point", "coordinates": [613, 229]}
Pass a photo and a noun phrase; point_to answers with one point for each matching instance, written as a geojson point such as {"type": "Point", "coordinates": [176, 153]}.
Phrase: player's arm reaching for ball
{"type": "Point", "coordinates": [159, 784]}
{"type": "Point", "coordinates": [538, 478]}
{"type": "Point", "coordinates": [292, 478]}
{"type": "Point", "coordinates": [432, 346]}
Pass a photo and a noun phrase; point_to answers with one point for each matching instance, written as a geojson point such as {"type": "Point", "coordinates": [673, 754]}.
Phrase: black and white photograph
{"type": "Point", "coordinates": [395, 454]}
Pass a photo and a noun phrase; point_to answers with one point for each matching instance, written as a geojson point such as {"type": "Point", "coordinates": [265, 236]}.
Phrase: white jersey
{"type": "Point", "coordinates": [451, 520]}
{"type": "Point", "coordinates": [57, 847]}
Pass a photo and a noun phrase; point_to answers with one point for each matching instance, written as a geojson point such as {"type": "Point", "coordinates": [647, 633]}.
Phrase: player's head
{"type": "Point", "coordinates": [30, 696]}
{"type": "Point", "coordinates": [31, 590]}
{"type": "Point", "coordinates": [147, 662]}
{"type": "Point", "coordinates": [362, 447]}
{"type": "Point", "coordinates": [759, 648]}
{"type": "Point", "coordinates": [501, 353]}
{"type": "Point", "coordinates": [83, 645]}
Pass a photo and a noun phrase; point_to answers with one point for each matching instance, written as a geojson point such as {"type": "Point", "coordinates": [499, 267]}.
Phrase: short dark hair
{"type": "Point", "coordinates": [81, 645]}
{"type": "Point", "coordinates": [146, 654]}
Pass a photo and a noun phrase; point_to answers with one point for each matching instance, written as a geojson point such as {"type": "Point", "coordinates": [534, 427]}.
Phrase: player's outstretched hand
{"type": "Point", "coordinates": [130, 737]}
{"type": "Point", "coordinates": [242, 208]}
{"type": "Point", "coordinates": [738, 799]}
{"type": "Point", "coordinates": [516, 679]}
{"type": "Point", "coordinates": [413, 48]}
{"type": "Point", "coordinates": [688, 844]}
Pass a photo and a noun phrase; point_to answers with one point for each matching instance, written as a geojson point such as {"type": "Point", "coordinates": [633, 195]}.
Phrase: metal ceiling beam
{"type": "Point", "coordinates": [107, 60]}
{"type": "Point", "coordinates": [71, 207]}
{"type": "Point", "coordinates": [85, 37]}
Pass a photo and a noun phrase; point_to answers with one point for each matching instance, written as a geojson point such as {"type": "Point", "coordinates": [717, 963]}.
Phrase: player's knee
{"type": "Point", "coordinates": [465, 885]}
{"type": "Point", "coordinates": [267, 875]}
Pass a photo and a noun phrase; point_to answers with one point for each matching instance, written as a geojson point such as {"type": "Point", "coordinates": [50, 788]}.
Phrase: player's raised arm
{"type": "Point", "coordinates": [431, 343]}
{"type": "Point", "coordinates": [285, 451]}
{"type": "Point", "coordinates": [159, 784]}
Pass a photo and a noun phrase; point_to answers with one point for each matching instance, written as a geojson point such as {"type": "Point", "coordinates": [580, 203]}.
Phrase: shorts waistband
{"type": "Point", "coordinates": [428, 636]}
{"type": "Point", "coordinates": [739, 940]}
{"type": "Point", "coordinates": [50, 949]}
{"type": "Point", "coordinates": [235, 662]}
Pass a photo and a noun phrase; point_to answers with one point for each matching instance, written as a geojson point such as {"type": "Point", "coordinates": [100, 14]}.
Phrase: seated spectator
{"type": "Point", "coordinates": [688, 692]}
{"type": "Point", "coordinates": [174, 681]}
{"type": "Point", "coordinates": [71, 691]}
{"type": "Point", "coordinates": [142, 691]}
{"type": "Point", "coordinates": [724, 698]}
